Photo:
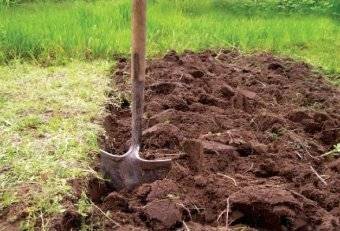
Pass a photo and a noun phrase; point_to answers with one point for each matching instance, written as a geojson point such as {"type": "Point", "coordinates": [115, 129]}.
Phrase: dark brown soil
{"type": "Point", "coordinates": [245, 133]}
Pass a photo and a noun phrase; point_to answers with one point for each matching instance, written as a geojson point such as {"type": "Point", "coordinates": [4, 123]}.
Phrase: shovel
{"type": "Point", "coordinates": [130, 170]}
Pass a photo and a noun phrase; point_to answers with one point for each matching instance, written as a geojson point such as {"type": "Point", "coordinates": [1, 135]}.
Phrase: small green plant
{"type": "Point", "coordinates": [7, 198]}
{"type": "Point", "coordinates": [84, 205]}
{"type": "Point", "coordinates": [334, 152]}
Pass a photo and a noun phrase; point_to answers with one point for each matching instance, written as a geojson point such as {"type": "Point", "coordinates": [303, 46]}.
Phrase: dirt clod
{"type": "Point", "coordinates": [71, 220]}
{"type": "Point", "coordinates": [163, 214]}
{"type": "Point", "coordinates": [162, 135]}
{"type": "Point", "coordinates": [227, 91]}
{"type": "Point", "coordinates": [218, 148]}
{"type": "Point", "coordinates": [115, 201]}
{"type": "Point", "coordinates": [247, 94]}
{"type": "Point", "coordinates": [161, 189]}
{"type": "Point", "coordinates": [97, 189]}
{"type": "Point", "coordinates": [194, 150]}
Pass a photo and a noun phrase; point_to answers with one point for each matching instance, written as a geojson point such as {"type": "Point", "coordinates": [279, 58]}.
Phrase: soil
{"type": "Point", "coordinates": [245, 133]}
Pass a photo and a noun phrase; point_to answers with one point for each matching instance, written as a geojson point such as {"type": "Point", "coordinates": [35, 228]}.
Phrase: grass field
{"type": "Point", "coordinates": [57, 32]}
{"type": "Point", "coordinates": [47, 114]}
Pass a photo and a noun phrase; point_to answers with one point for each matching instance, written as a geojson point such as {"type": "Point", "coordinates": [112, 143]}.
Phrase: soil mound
{"type": "Point", "coordinates": [245, 132]}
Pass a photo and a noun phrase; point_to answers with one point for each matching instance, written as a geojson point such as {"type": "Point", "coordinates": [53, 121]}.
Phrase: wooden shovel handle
{"type": "Point", "coordinates": [138, 67]}
{"type": "Point", "coordinates": [138, 38]}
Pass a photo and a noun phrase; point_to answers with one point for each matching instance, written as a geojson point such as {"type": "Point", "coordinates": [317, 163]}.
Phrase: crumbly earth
{"type": "Point", "coordinates": [245, 133]}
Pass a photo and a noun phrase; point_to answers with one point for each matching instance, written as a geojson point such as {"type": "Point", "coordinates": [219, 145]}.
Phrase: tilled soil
{"type": "Point", "coordinates": [245, 133]}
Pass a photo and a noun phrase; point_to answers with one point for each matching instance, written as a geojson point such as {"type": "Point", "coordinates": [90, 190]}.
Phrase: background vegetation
{"type": "Point", "coordinates": [283, 5]}
{"type": "Point", "coordinates": [55, 31]}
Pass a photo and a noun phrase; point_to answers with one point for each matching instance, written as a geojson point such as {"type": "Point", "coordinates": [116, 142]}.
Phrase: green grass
{"type": "Point", "coordinates": [52, 33]}
{"type": "Point", "coordinates": [47, 131]}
